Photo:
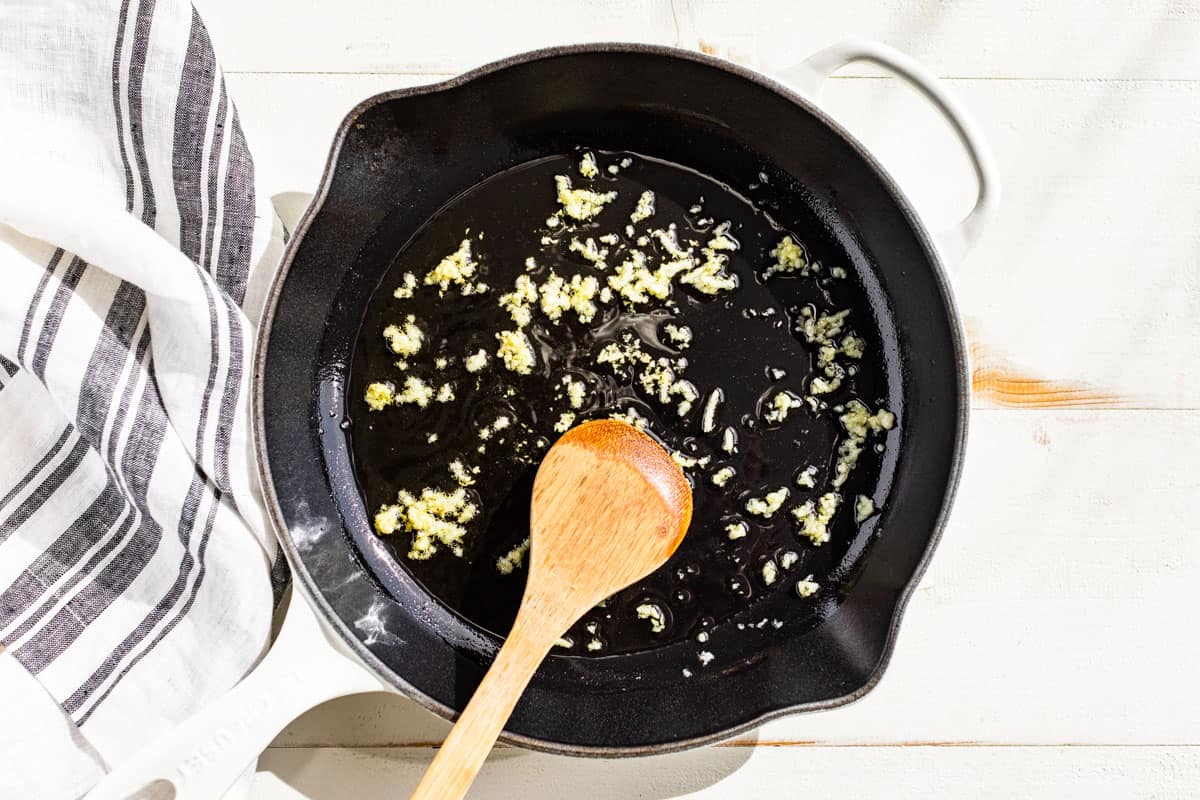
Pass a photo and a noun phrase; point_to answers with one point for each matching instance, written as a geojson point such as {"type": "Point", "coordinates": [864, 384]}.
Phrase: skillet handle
{"type": "Point", "coordinates": [201, 758]}
{"type": "Point", "coordinates": [809, 75]}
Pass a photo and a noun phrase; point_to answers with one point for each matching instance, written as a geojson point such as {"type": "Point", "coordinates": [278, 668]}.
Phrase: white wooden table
{"type": "Point", "coordinates": [1051, 650]}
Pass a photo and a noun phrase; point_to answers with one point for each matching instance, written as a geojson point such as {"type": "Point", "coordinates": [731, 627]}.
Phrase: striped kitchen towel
{"type": "Point", "coordinates": [135, 556]}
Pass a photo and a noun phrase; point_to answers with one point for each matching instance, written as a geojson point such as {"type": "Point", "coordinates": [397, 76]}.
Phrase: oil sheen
{"type": "Point", "coordinates": [744, 343]}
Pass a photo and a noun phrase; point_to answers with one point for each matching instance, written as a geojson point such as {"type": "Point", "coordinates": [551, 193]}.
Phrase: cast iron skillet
{"type": "Point", "coordinates": [397, 158]}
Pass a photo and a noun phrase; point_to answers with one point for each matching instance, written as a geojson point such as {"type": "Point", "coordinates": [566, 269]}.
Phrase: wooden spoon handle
{"type": "Point", "coordinates": [465, 749]}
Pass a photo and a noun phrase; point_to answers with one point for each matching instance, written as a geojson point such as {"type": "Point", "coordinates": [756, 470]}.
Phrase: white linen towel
{"type": "Point", "coordinates": [135, 557]}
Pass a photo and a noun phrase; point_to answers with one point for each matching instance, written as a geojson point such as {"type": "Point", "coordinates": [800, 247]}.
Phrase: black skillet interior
{"type": "Point", "coordinates": [397, 160]}
{"type": "Point", "coordinates": [743, 344]}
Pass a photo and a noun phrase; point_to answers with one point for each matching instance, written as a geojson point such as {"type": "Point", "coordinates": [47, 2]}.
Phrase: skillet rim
{"type": "Point", "coordinates": [941, 278]}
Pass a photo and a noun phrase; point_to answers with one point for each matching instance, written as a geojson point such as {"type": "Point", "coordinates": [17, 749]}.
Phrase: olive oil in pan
{"type": "Point", "coordinates": [743, 343]}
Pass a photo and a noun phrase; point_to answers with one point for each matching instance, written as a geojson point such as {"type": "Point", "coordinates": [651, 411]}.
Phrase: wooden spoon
{"type": "Point", "coordinates": [609, 507]}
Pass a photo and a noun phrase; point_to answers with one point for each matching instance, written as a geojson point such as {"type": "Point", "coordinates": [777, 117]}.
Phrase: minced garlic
{"type": "Point", "coordinates": [807, 478]}
{"type": "Point", "coordinates": [710, 276]}
{"type": "Point", "coordinates": [789, 259]}
{"type": "Point", "coordinates": [814, 518]}
{"type": "Point", "coordinates": [500, 423]}
{"type": "Point", "coordinates": [635, 282]}
{"type": "Point", "coordinates": [859, 423]}
{"type": "Point", "coordinates": [558, 296]}
{"type": "Point", "coordinates": [659, 380]}
{"type": "Point", "coordinates": [513, 559]}
{"type": "Point", "coordinates": [654, 613]}
{"type": "Point", "coordinates": [581, 204]}
{"type": "Point", "coordinates": [721, 240]}
{"type": "Point", "coordinates": [408, 285]}
{"type": "Point", "coordinates": [460, 473]}
{"type": "Point", "coordinates": [476, 361]}
{"type": "Point", "coordinates": [518, 302]}
{"type": "Point", "coordinates": [737, 530]}
{"type": "Point", "coordinates": [689, 462]}
{"type": "Point", "coordinates": [848, 452]}
{"type": "Point", "coordinates": [380, 395]}
{"type": "Point", "coordinates": [457, 268]}
{"type": "Point", "coordinates": [722, 476]}
{"type": "Point", "coordinates": [853, 346]}
{"type": "Point", "coordinates": [433, 518]}
{"type": "Point", "coordinates": [631, 417]}
{"type": "Point", "coordinates": [587, 166]}
{"type": "Point", "coordinates": [415, 391]}
{"type": "Point", "coordinates": [668, 239]}
{"type": "Point", "coordinates": [516, 352]}
{"type": "Point", "coordinates": [644, 209]}
{"type": "Point", "coordinates": [708, 422]}
{"type": "Point", "coordinates": [613, 354]}
{"type": "Point", "coordinates": [591, 252]}
{"type": "Point", "coordinates": [864, 508]}
{"type": "Point", "coordinates": [581, 292]}
{"type": "Point", "coordinates": [679, 335]}
{"type": "Point", "coordinates": [404, 339]}
{"type": "Point", "coordinates": [646, 277]}
{"type": "Point", "coordinates": [576, 391]}
{"type": "Point", "coordinates": [554, 297]}
{"type": "Point", "coordinates": [807, 587]}
{"type": "Point", "coordinates": [628, 353]}
{"type": "Point", "coordinates": [821, 329]}
{"type": "Point", "coordinates": [820, 385]}
{"type": "Point", "coordinates": [780, 406]}
{"type": "Point", "coordinates": [768, 504]}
